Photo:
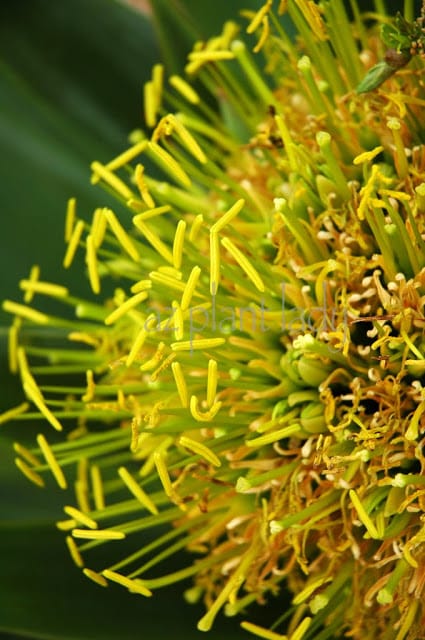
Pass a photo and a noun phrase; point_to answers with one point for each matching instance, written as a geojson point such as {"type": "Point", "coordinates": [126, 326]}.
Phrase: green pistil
{"type": "Point", "coordinates": [386, 594]}
{"type": "Point", "coordinates": [343, 42]}
{"type": "Point", "coordinates": [252, 73]}
{"type": "Point", "coordinates": [315, 508]}
{"type": "Point", "coordinates": [333, 165]}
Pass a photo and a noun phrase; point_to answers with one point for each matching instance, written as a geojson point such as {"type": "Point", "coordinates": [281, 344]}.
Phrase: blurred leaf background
{"type": "Point", "coordinates": [71, 78]}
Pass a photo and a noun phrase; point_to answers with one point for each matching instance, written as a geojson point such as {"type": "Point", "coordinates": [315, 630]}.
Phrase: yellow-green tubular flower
{"type": "Point", "coordinates": [255, 381]}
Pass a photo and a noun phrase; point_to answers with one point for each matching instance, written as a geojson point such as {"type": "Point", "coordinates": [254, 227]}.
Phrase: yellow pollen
{"type": "Point", "coordinates": [29, 472]}
{"type": "Point", "coordinates": [137, 490]}
{"type": "Point", "coordinates": [112, 180]}
{"type": "Point", "coordinates": [178, 244]}
{"type": "Point", "coordinates": [168, 360]}
{"type": "Point", "coordinates": [92, 264]}
{"type": "Point", "coordinates": [180, 383]}
{"type": "Point", "coordinates": [156, 358]}
{"type": "Point", "coordinates": [137, 345]}
{"type": "Point", "coordinates": [212, 382]}
{"type": "Point", "coordinates": [70, 218]}
{"type": "Point", "coordinates": [169, 164]}
{"type": "Point", "coordinates": [96, 577]}
{"type": "Point", "coordinates": [196, 345]}
{"type": "Point", "coordinates": [74, 551]}
{"type": "Point", "coordinates": [201, 449]}
{"type": "Point", "coordinates": [125, 307]}
{"type": "Point", "coordinates": [121, 235]}
{"type": "Point", "coordinates": [228, 216]}
{"type": "Point", "coordinates": [132, 585]}
{"type": "Point", "coordinates": [80, 517]}
{"type": "Point", "coordinates": [25, 312]}
{"type": "Point", "coordinates": [361, 512]}
{"type": "Point", "coordinates": [152, 213]}
{"type": "Point", "coordinates": [51, 461]}
{"type": "Point", "coordinates": [207, 416]}
{"type": "Point", "coordinates": [14, 412]}
{"type": "Point", "coordinates": [195, 228]}
{"type": "Point", "coordinates": [184, 89]}
{"type": "Point", "coordinates": [153, 239]}
{"type": "Point", "coordinates": [97, 487]}
{"type": "Point", "coordinates": [244, 264]}
{"type": "Point", "coordinates": [143, 188]}
{"type": "Point", "coordinates": [190, 288]}
{"type": "Point", "coordinates": [98, 534]}
{"type": "Point", "coordinates": [73, 244]}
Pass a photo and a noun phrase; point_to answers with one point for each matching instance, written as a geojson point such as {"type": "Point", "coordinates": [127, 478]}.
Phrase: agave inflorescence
{"type": "Point", "coordinates": [256, 379]}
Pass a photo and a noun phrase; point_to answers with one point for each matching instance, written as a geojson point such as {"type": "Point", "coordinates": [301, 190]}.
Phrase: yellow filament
{"type": "Point", "coordinates": [125, 307]}
{"type": "Point", "coordinates": [180, 383]}
{"type": "Point", "coordinates": [258, 18]}
{"type": "Point", "coordinates": [80, 517]}
{"type": "Point", "coordinates": [400, 160]}
{"type": "Point", "coordinates": [12, 344]}
{"type": "Point", "coordinates": [196, 345]}
{"type": "Point", "coordinates": [178, 321]}
{"type": "Point", "coordinates": [210, 56]}
{"type": "Point", "coordinates": [367, 156]}
{"type": "Point", "coordinates": [287, 141]}
{"type": "Point", "coordinates": [313, 18]}
{"type": "Point", "coordinates": [142, 186]}
{"type": "Point", "coordinates": [408, 620]}
{"type": "Point", "coordinates": [132, 585]}
{"type": "Point", "coordinates": [96, 577]}
{"type": "Point", "coordinates": [301, 629]}
{"type": "Point", "coordinates": [212, 382]}
{"type": "Point", "coordinates": [98, 534]}
{"type": "Point", "coordinates": [153, 239]}
{"type": "Point", "coordinates": [152, 213]}
{"type": "Point", "coordinates": [201, 449]}
{"type": "Point", "coordinates": [269, 438]}
{"type": "Point", "coordinates": [98, 227]}
{"type": "Point", "coordinates": [156, 358]}
{"type": "Point", "coordinates": [25, 312]}
{"type": "Point", "coordinates": [184, 89]}
{"type": "Point", "coordinates": [66, 525]}
{"type": "Point", "coordinates": [195, 228]}
{"type": "Point", "coordinates": [141, 285]}
{"type": "Point", "coordinates": [26, 454]}
{"type": "Point", "coordinates": [207, 416]}
{"type": "Point", "coordinates": [92, 264]}
{"type": "Point", "coordinates": [188, 140]}
{"type": "Point", "coordinates": [228, 216]}
{"type": "Point", "coordinates": [112, 180]}
{"type": "Point", "coordinates": [171, 165]}
{"type": "Point", "coordinates": [14, 412]}
{"type": "Point", "coordinates": [89, 395]}
{"type": "Point", "coordinates": [51, 461]}
{"type": "Point", "coordinates": [121, 235]}
{"type": "Point", "coordinates": [178, 244]}
{"type": "Point", "coordinates": [260, 632]}
{"type": "Point", "coordinates": [190, 288]}
{"type": "Point", "coordinates": [136, 347]}
{"type": "Point", "coordinates": [74, 551]}
{"type": "Point", "coordinates": [70, 218]}
{"type": "Point", "coordinates": [158, 80]}
{"type": "Point", "coordinates": [264, 35]}
{"type": "Point", "coordinates": [73, 244]}
{"type": "Point", "coordinates": [29, 472]}
{"type": "Point", "coordinates": [150, 104]}
{"type": "Point", "coordinates": [123, 158]}
{"type": "Point", "coordinates": [97, 487]}
{"type": "Point", "coordinates": [214, 263]}
{"type": "Point", "coordinates": [361, 512]}
{"type": "Point", "coordinates": [303, 595]}
{"type": "Point", "coordinates": [137, 490]}
{"type": "Point", "coordinates": [162, 470]}
{"type": "Point", "coordinates": [34, 394]}
{"type": "Point", "coordinates": [46, 288]}
{"type": "Point", "coordinates": [244, 264]}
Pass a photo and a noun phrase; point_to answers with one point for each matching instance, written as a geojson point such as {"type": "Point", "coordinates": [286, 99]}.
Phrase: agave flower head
{"type": "Point", "coordinates": [255, 379]}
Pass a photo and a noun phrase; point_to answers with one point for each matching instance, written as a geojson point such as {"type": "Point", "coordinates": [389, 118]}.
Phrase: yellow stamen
{"type": "Point", "coordinates": [51, 461]}
{"type": "Point", "coordinates": [208, 55]}
{"type": "Point", "coordinates": [132, 585]}
{"type": "Point", "coordinates": [408, 620]}
{"type": "Point", "coordinates": [150, 104]}
{"type": "Point", "coordinates": [153, 239]}
{"type": "Point", "coordinates": [258, 18]}
{"type": "Point", "coordinates": [14, 412]}
{"type": "Point", "coordinates": [25, 312]}
{"type": "Point", "coordinates": [260, 632]}
{"type": "Point", "coordinates": [142, 285]}
{"type": "Point", "coordinates": [313, 18]}
{"type": "Point", "coordinates": [269, 438]}
{"type": "Point", "coordinates": [91, 387]}
{"type": "Point", "coordinates": [155, 360]}
{"type": "Point", "coordinates": [97, 486]}
{"type": "Point", "coordinates": [301, 629]}
{"type": "Point", "coordinates": [228, 216]}
{"type": "Point", "coordinates": [46, 288]}
{"type": "Point", "coordinates": [112, 180]}
{"type": "Point", "coordinates": [188, 140]}
{"type": "Point", "coordinates": [103, 534]}
{"type": "Point", "coordinates": [264, 35]}
{"type": "Point", "coordinates": [244, 264]}
{"type": "Point", "coordinates": [74, 551]}
{"type": "Point", "coordinates": [190, 288]}
{"type": "Point", "coordinates": [287, 142]}
{"type": "Point", "coordinates": [121, 235]}
{"type": "Point", "coordinates": [207, 416]}
{"type": "Point", "coordinates": [124, 158]}
{"type": "Point", "coordinates": [195, 228]}
{"type": "Point", "coordinates": [178, 244]}
{"type": "Point", "coordinates": [162, 470]}
{"type": "Point", "coordinates": [137, 345]}
{"type": "Point", "coordinates": [303, 595]}
{"type": "Point", "coordinates": [178, 321]}
{"type": "Point", "coordinates": [152, 213]}
{"type": "Point", "coordinates": [26, 454]}
{"type": "Point", "coordinates": [142, 186]}
{"type": "Point", "coordinates": [70, 218]}
{"type": "Point", "coordinates": [73, 244]}
{"type": "Point", "coordinates": [34, 276]}
{"type": "Point", "coordinates": [125, 307]}
{"type": "Point", "coordinates": [34, 394]}
{"type": "Point", "coordinates": [196, 345]}
{"type": "Point", "coordinates": [158, 81]}
{"type": "Point", "coordinates": [201, 449]}
{"type": "Point", "coordinates": [98, 227]}
{"type": "Point", "coordinates": [171, 165]}
{"type": "Point", "coordinates": [212, 382]}
{"type": "Point", "coordinates": [92, 264]}
{"type": "Point", "coordinates": [180, 383]}
{"type": "Point", "coordinates": [184, 89]}
{"type": "Point", "coordinates": [366, 192]}
{"type": "Point", "coordinates": [214, 263]}
{"type": "Point", "coordinates": [29, 472]}
{"type": "Point", "coordinates": [80, 517]}
{"type": "Point", "coordinates": [361, 512]}
{"type": "Point", "coordinates": [96, 577]}
{"type": "Point", "coordinates": [367, 156]}
{"type": "Point", "coordinates": [13, 343]}
{"type": "Point", "coordinates": [137, 490]}
{"type": "Point", "coordinates": [400, 157]}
